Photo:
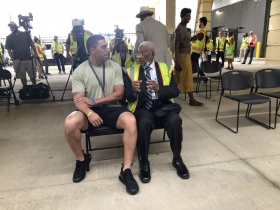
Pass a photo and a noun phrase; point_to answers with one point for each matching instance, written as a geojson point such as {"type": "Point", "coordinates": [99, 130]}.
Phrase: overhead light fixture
{"type": "Point", "coordinates": [218, 12]}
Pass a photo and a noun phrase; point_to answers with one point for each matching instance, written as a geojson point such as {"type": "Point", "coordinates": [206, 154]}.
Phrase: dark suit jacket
{"type": "Point", "coordinates": [165, 92]}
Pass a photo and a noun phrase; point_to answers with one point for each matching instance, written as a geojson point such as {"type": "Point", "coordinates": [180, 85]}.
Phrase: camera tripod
{"type": "Point", "coordinates": [32, 46]}
{"type": "Point", "coordinates": [80, 47]}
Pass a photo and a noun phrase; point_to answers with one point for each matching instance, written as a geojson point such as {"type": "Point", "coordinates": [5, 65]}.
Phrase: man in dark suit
{"type": "Point", "coordinates": [150, 87]}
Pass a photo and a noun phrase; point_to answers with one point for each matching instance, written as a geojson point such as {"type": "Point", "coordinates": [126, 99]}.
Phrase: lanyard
{"type": "Point", "coordinates": [102, 85]}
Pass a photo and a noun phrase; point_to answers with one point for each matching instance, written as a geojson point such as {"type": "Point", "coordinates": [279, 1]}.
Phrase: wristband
{"type": "Point", "coordinates": [94, 102]}
{"type": "Point", "coordinates": [89, 113]}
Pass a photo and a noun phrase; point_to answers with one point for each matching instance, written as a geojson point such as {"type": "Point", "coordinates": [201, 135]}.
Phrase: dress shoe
{"type": "Point", "coordinates": [81, 168]}
{"type": "Point", "coordinates": [128, 180]}
{"type": "Point", "coordinates": [144, 172]}
{"type": "Point", "coordinates": [182, 170]}
{"type": "Point", "coordinates": [249, 63]}
{"type": "Point", "coordinates": [243, 63]}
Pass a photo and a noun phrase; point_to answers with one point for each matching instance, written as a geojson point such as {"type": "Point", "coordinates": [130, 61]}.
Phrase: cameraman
{"type": "Point", "coordinates": [113, 42]}
{"type": "Point", "coordinates": [18, 49]}
{"type": "Point", "coordinates": [72, 45]}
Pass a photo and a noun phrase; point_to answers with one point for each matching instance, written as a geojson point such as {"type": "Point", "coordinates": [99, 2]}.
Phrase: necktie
{"type": "Point", "coordinates": [149, 103]}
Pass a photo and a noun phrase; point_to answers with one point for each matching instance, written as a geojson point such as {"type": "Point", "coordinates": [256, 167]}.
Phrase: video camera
{"type": "Point", "coordinates": [78, 29]}
{"type": "Point", "coordinates": [24, 21]}
{"type": "Point", "coordinates": [118, 33]}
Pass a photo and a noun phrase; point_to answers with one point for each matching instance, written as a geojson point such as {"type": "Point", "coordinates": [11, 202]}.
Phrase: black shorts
{"type": "Point", "coordinates": [109, 115]}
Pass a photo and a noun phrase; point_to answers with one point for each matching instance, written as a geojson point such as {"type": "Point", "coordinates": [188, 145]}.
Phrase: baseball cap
{"type": "Point", "coordinates": [12, 23]}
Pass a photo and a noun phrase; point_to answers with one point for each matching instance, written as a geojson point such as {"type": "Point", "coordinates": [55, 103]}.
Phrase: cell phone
{"type": "Point", "coordinates": [180, 69]}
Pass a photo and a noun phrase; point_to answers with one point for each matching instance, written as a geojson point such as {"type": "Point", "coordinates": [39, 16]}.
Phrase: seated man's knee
{"type": "Point", "coordinates": [174, 119]}
{"type": "Point", "coordinates": [72, 122]}
{"type": "Point", "coordinates": [144, 124]}
{"type": "Point", "coordinates": [130, 122]}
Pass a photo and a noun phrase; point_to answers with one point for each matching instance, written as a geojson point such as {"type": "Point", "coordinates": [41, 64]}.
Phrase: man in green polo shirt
{"type": "Point", "coordinates": [96, 101]}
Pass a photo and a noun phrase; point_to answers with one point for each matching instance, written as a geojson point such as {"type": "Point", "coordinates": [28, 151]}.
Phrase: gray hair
{"type": "Point", "coordinates": [148, 44]}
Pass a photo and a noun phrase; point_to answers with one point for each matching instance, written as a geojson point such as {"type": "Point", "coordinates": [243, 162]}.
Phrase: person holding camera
{"type": "Point", "coordinates": [77, 37]}
{"type": "Point", "coordinates": [113, 42]}
{"type": "Point", "coordinates": [40, 53]}
{"type": "Point", "coordinates": [19, 51]}
{"type": "Point", "coordinates": [96, 98]}
{"type": "Point", "coordinates": [57, 53]}
{"type": "Point", "coordinates": [183, 65]}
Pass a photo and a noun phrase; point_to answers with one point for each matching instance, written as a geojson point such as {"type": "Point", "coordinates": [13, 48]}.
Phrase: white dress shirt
{"type": "Point", "coordinates": [153, 74]}
{"type": "Point", "coordinates": [251, 37]}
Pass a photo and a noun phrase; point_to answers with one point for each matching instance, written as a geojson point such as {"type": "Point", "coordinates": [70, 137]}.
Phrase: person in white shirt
{"type": "Point", "coordinates": [252, 43]}
{"type": "Point", "coordinates": [150, 89]}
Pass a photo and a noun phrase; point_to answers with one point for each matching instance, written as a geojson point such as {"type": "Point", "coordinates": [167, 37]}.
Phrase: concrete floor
{"type": "Point", "coordinates": [227, 171]}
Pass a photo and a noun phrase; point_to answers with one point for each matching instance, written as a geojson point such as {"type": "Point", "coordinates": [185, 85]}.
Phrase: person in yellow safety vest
{"type": "Point", "coordinates": [72, 47]}
{"type": "Point", "coordinates": [120, 57]}
{"type": "Point", "coordinates": [129, 46]}
{"type": "Point", "coordinates": [46, 62]}
{"type": "Point", "coordinates": [230, 44]}
{"type": "Point", "coordinates": [57, 50]}
{"type": "Point", "coordinates": [220, 47]}
{"type": "Point", "coordinates": [40, 54]}
{"type": "Point", "coordinates": [210, 48]}
{"type": "Point", "coordinates": [197, 47]}
{"type": "Point", "coordinates": [243, 46]}
{"type": "Point", "coordinates": [251, 43]}
{"type": "Point", "coordinates": [151, 88]}
{"type": "Point", "coordinates": [2, 50]}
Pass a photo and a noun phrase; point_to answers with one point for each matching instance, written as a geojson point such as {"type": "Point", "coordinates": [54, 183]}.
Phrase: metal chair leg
{"type": "Point", "coordinates": [182, 98]}
{"type": "Point", "coordinates": [256, 121]}
{"type": "Point", "coordinates": [164, 132]}
{"type": "Point", "coordinates": [224, 124]}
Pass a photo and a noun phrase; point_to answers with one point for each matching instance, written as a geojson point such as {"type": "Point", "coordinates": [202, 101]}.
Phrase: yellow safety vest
{"type": "Point", "coordinates": [244, 42]}
{"type": "Point", "coordinates": [210, 45]}
{"type": "Point", "coordinates": [222, 44]}
{"type": "Point", "coordinates": [73, 44]}
{"type": "Point", "coordinates": [117, 58]}
{"type": "Point", "coordinates": [129, 46]}
{"type": "Point", "coordinates": [133, 74]}
{"type": "Point", "coordinates": [59, 47]}
{"type": "Point", "coordinates": [1, 50]}
{"type": "Point", "coordinates": [41, 56]}
{"type": "Point", "coordinates": [42, 45]}
{"type": "Point", "coordinates": [233, 45]}
{"type": "Point", "coordinates": [199, 45]}
{"type": "Point", "coordinates": [129, 63]}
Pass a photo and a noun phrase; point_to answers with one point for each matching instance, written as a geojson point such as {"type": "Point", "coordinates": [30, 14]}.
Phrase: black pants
{"type": "Point", "coordinates": [251, 51]}
{"type": "Point", "coordinates": [209, 58]}
{"type": "Point", "coordinates": [59, 59]}
{"type": "Point", "coordinates": [46, 62]}
{"type": "Point", "coordinates": [222, 56]}
{"type": "Point", "coordinates": [194, 58]}
{"type": "Point", "coordinates": [146, 121]}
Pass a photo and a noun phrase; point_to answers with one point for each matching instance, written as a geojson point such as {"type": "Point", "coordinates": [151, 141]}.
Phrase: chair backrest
{"type": "Point", "coordinates": [268, 78]}
{"type": "Point", "coordinates": [237, 80]}
{"type": "Point", "coordinates": [213, 67]}
{"type": "Point", "coordinates": [195, 67]}
{"type": "Point", "coordinates": [6, 75]}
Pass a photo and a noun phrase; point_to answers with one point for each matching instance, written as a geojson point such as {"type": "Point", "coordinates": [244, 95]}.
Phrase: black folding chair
{"type": "Point", "coordinates": [7, 90]}
{"type": "Point", "coordinates": [196, 79]}
{"type": "Point", "coordinates": [105, 130]}
{"type": "Point", "coordinates": [210, 68]}
{"type": "Point", "coordinates": [240, 80]}
{"type": "Point", "coordinates": [269, 78]}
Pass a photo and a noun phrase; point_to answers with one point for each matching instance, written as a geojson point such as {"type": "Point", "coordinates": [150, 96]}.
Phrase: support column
{"type": "Point", "coordinates": [170, 15]}
{"type": "Point", "coordinates": [204, 9]}
{"type": "Point", "coordinates": [273, 42]}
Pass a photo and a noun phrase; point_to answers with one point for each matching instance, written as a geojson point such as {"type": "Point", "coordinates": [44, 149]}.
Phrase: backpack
{"type": "Point", "coordinates": [34, 91]}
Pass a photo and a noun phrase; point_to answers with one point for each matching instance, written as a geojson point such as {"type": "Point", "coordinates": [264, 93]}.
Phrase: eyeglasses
{"type": "Point", "coordinates": [142, 54]}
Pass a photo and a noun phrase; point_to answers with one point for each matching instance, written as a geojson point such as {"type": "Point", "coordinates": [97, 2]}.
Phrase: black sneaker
{"type": "Point", "coordinates": [81, 168]}
{"type": "Point", "coordinates": [128, 180]}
